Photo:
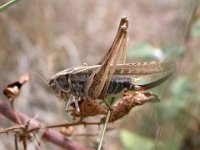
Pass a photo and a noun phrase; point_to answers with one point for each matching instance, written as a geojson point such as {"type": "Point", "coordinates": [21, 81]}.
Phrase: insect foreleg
{"type": "Point", "coordinates": [76, 105]}
{"type": "Point", "coordinates": [68, 102]}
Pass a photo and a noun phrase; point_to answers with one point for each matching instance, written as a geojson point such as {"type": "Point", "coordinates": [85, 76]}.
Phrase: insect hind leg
{"type": "Point", "coordinates": [101, 77]}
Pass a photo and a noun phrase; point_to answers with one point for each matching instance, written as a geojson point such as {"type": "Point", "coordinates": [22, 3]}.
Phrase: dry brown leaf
{"type": "Point", "coordinates": [12, 90]}
{"type": "Point", "coordinates": [123, 106]}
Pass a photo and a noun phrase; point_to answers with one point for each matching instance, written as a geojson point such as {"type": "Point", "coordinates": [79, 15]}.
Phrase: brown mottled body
{"type": "Point", "coordinates": [74, 80]}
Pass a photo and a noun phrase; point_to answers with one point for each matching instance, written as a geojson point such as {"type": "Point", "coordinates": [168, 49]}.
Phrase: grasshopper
{"type": "Point", "coordinates": [107, 77]}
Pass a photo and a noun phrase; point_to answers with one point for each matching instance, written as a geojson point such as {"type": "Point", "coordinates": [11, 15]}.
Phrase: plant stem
{"type": "Point", "coordinates": [104, 131]}
{"type": "Point", "coordinates": [8, 4]}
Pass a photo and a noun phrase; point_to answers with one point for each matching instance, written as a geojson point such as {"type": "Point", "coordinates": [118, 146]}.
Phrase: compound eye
{"type": "Point", "coordinates": [52, 84]}
{"type": "Point", "coordinates": [53, 87]}
{"type": "Point", "coordinates": [63, 82]}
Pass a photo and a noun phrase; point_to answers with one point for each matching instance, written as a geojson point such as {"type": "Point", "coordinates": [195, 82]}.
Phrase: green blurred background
{"type": "Point", "coordinates": [44, 37]}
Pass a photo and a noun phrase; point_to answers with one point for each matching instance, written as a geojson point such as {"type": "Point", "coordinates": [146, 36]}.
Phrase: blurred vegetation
{"type": "Point", "coordinates": [45, 37]}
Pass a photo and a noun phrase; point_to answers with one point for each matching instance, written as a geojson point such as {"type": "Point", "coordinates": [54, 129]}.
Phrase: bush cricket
{"type": "Point", "coordinates": [83, 85]}
{"type": "Point", "coordinates": [108, 77]}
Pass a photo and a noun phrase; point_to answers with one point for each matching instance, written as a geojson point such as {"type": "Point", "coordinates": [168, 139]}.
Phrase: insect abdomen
{"type": "Point", "coordinates": [120, 84]}
{"type": "Point", "coordinates": [117, 85]}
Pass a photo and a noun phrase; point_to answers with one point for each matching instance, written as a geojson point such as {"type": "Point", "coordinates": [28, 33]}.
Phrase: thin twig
{"type": "Point", "coordinates": [84, 123]}
{"type": "Point", "coordinates": [16, 143]}
{"type": "Point", "coordinates": [13, 128]}
{"type": "Point", "coordinates": [16, 114]}
{"type": "Point", "coordinates": [85, 134]}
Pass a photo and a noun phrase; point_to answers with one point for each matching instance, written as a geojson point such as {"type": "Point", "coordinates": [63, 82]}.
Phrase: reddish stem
{"type": "Point", "coordinates": [49, 135]}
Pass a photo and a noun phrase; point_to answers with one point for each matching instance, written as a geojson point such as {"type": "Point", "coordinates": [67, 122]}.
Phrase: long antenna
{"type": "Point", "coordinates": [41, 77]}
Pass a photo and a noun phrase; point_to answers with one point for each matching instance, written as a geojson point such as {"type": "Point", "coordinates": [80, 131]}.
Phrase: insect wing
{"type": "Point", "coordinates": [140, 69]}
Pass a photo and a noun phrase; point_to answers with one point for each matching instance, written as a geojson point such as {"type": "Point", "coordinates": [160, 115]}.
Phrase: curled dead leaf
{"type": "Point", "coordinates": [12, 90]}
{"type": "Point", "coordinates": [89, 107]}
{"type": "Point", "coordinates": [124, 105]}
